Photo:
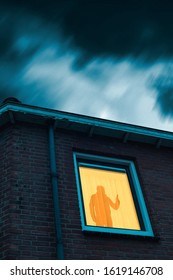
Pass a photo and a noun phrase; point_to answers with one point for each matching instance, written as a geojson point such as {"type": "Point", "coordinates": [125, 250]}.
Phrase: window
{"type": "Point", "coordinates": [110, 196]}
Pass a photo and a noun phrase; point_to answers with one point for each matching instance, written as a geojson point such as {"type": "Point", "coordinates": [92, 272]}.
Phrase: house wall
{"type": "Point", "coordinates": [30, 210]}
{"type": "Point", "coordinates": [27, 205]}
{"type": "Point", "coordinates": [5, 187]}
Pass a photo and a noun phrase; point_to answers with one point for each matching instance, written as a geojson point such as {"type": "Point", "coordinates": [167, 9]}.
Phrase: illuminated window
{"type": "Point", "coordinates": [110, 196]}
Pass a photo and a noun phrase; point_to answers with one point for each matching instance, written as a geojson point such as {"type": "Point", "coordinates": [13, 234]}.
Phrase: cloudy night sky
{"type": "Point", "coordinates": [103, 58]}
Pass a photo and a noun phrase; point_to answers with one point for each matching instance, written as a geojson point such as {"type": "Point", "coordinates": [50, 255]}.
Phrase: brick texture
{"type": "Point", "coordinates": [26, 204]}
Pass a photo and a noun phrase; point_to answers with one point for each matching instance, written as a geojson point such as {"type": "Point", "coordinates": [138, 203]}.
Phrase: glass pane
{"type": "Point", "coordinates": [108, 200]}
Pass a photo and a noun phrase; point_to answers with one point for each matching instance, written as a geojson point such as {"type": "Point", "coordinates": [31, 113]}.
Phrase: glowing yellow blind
{"type": "Point", "coordinates": [108, 201]}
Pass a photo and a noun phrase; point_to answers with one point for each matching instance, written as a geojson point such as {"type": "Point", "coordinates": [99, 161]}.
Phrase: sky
{"type": "Point", "coordinates": [102, 58]}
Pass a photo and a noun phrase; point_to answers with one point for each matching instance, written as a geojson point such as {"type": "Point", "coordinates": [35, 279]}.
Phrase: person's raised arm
{"type": "Point", "coordinates": [115, 205]}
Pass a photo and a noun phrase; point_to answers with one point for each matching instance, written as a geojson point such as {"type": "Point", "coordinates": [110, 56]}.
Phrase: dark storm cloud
{"type": "Point", "coordinates": [13, 58]}
{"type": "Point", "coordinates": [165, 100]}
{"type": "Point", "coordinates": [141, 31]}
{"type": "Point", "coordinates": [108, 27]}
{"type": "Point", "coordinates": [163, 85]}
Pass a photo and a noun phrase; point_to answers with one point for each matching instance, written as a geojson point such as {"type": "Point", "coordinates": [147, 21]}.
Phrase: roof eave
{"type": "Point", "coordinates": [102, 126]}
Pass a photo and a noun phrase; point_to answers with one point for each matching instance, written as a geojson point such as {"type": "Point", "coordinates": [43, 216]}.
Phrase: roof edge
{"type": "Point", "coordinates": [85, 120]}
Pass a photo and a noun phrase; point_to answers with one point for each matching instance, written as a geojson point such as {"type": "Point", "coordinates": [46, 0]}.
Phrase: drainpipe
{"type": "Point", "coordinates": [54, 176]}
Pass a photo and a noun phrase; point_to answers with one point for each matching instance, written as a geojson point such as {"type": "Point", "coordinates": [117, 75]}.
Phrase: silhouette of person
{"type": "Point", "coordinates": [100, 205]}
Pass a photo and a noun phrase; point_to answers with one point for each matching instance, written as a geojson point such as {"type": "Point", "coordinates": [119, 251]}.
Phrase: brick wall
{"type": "Point", "coordinates": [30, 210]}
{"type": "Point", "coordinates": [154, 168]}
{"type": "Point", "coordinates": [5, 186]}
{"type": "Point", "coordinates": [27, 206]}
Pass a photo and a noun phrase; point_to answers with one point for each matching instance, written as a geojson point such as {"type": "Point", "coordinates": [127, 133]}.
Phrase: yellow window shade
{"type": "Point", "coordinates": [107, 198]}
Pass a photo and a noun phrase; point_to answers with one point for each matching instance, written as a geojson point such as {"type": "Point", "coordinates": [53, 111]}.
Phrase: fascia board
{"type": "Point", "coordinates": [82, 119]}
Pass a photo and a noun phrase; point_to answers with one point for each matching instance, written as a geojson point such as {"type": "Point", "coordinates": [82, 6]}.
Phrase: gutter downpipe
{"type": "Point", "coordinates": [54, 177]}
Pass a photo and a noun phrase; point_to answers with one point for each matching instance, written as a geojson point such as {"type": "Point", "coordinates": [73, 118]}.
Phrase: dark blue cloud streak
{"type": "Point", "coordinates": [96, 29]}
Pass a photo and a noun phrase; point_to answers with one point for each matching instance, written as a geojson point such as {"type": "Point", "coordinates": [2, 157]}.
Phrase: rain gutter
{"type": "Point", "coordinates": [85, 120]}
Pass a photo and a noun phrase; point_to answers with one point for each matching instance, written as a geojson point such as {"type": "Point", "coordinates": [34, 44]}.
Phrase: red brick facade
{"type": "Point", "coordinates": [26, 203]}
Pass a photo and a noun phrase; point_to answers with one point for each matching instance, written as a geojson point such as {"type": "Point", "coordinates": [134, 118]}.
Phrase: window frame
{"type": "Point", "coordinates": [114, 164]}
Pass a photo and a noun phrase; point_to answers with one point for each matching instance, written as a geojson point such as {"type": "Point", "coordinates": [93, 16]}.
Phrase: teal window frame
{"type": "Point", "coordinates": [108, 163]}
